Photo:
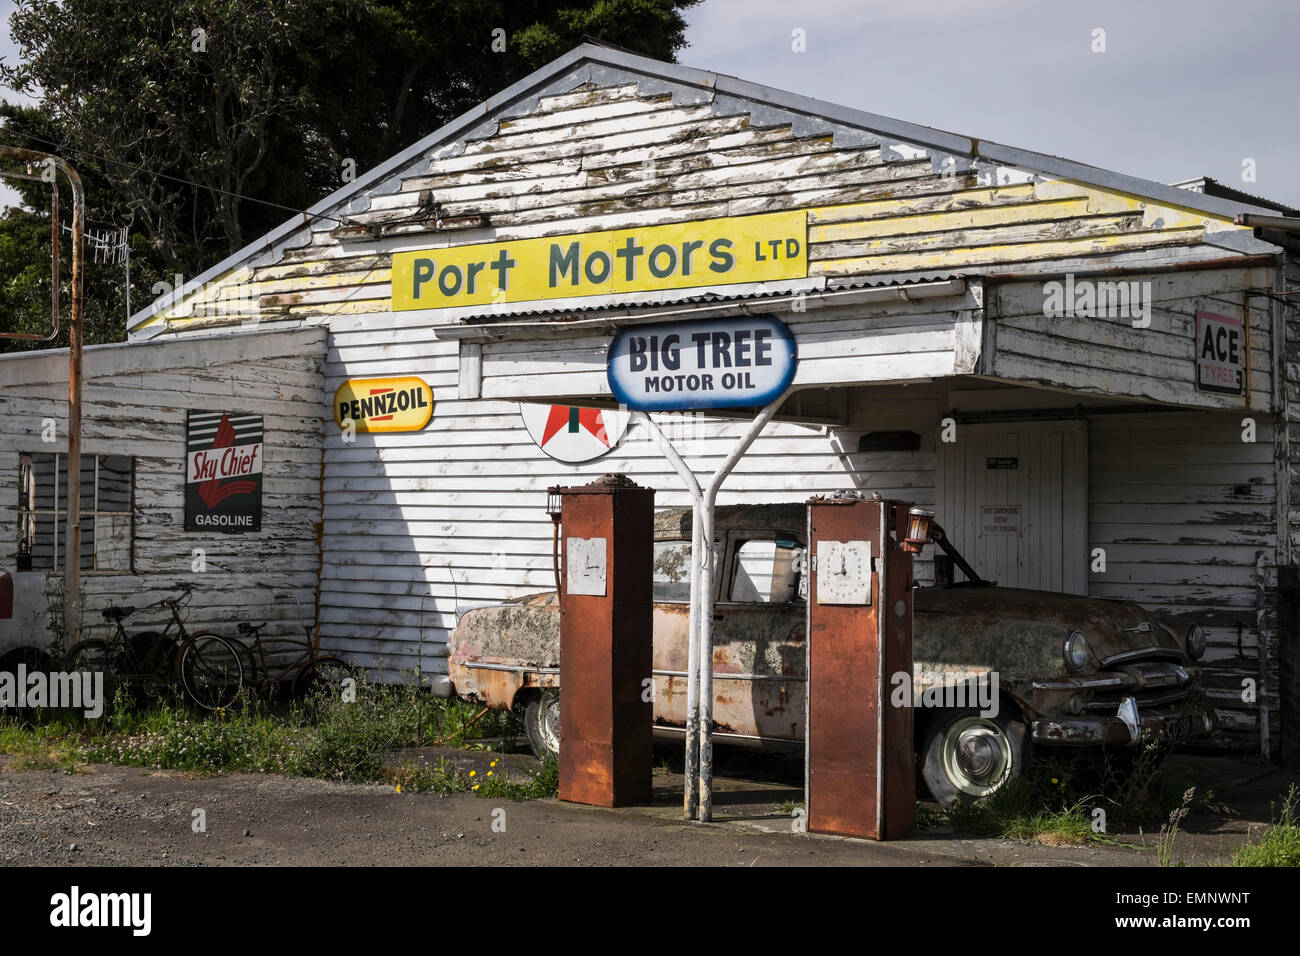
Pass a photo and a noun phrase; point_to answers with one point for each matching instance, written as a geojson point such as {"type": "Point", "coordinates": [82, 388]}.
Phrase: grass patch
{"type": "Point", "coordinates": [543, 783]}
{"type": "Point", "coordinates": [1280, 843]}
{"type": "Point", "coordinates": [1018, 813]}
{"type": "Point", "coordinates": [1067, 827]}
{"type": "Point", "coordinates": [47, 747]}
{"type": "Point", "coordinates": [1070, 798]}
{"type": "Point", "coordinates": [323, 736]}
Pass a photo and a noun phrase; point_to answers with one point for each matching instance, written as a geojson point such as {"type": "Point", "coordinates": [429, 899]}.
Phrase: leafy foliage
{"type": "Point", "coordinates": [202, 124]}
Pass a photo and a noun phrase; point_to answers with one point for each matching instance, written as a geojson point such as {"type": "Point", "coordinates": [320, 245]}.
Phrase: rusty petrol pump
{"type": "Point", "coordinates": [859, 775]}
{"type": "Point", "coordinates": [606, 642]}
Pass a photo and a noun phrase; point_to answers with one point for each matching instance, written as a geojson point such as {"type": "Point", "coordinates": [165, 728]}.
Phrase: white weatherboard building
{"type": "Point", "coordinates": [1084, 373]}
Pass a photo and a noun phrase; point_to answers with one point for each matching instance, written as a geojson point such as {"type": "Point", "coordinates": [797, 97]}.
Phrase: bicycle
{"type": "Point", "coordinates": [206, 666]}
{"type": "Point", "coordinates": [305, 673]}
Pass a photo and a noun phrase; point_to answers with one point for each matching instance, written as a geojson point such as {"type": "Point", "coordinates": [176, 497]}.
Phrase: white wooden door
{"type": "Point", "coordinates": [1013, 498]}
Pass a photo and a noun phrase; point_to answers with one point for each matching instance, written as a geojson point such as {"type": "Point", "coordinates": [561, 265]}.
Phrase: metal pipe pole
{"type": "Point", "coordinates": [72, 569]}
{"type": "Point", "coordinates": [26, 155]}
{"type": "Point", "coordinates": [706, 605]}
{"type": "Point", "coordinates": [1261, 630]}
{"type": "Point", "coordinates": [691, 770]}
{"type": "Point", "coordinates": [690, 795]}
{"type": "Point", "coordinates": [72, 552]}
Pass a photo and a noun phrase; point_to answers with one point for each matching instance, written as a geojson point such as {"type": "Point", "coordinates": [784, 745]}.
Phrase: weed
{"type": "Point", "coordinates": [43, 747]}
{"type": "Point", "coordinates": [544, 783]}
{"type": "Point", "coordinates": [1169, 831]}
{"type": "Point", "coordinates": [1032, 809]}
{"type": "Point", "coordinates": [1070, 826]}
{"type": "Point", "coordinates": [438, 778]}
{"type": "Point", "coordinates": [1280, 843]}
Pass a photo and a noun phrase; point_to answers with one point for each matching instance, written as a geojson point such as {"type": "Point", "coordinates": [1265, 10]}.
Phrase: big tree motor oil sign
{"type": "Point", "coordinates": [223, 472]}
{"type": "Point", "coordinates": [713, 363]}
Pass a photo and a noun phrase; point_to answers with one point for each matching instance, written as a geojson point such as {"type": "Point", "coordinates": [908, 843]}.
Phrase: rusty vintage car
{"type": "Point", "coordinates": [996, 671]}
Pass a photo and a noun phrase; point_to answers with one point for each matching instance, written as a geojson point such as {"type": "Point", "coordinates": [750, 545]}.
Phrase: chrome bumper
{"type": "Point", "coordinates": [1125, 728]}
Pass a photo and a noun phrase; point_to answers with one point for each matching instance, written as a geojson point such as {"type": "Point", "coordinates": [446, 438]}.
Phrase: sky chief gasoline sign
{"type": "Point", "coordinates": [223, 472]}
{"type": "Point", "coordinates": [677, 256]}
{"type": "Point", "coordinates": [717, 363]}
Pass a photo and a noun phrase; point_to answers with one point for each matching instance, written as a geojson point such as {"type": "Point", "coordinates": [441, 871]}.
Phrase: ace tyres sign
{"type": "Point", "coordinates": [1220, 353]}
{"type": "Point", "coordinates": [223, 472]}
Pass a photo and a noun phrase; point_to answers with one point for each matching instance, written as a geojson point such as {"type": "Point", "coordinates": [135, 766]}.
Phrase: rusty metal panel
{"type": "Point", "coordinates": [606, 643]}
{"type": "Point", "coordinates": [860, 774]}
{"type": "Point", "coordinates": [898, 726]}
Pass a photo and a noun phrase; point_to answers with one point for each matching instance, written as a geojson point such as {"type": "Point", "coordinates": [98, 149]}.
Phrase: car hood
{"type": "Point", "coordinates": [1111, 627]}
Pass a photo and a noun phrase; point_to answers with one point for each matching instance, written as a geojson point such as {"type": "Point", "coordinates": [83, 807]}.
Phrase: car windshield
{"type": "Point", "coordinates": [672, 572]}
{"type": "Point", "coordinates": [767, 571]}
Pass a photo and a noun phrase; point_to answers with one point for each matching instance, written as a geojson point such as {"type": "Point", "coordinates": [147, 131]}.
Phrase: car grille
{"type": "Point", "coordinates": [1153, 683]}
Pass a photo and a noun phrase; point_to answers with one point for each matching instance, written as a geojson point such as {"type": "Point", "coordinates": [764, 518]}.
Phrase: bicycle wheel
{"type": "Point", "coordinates": [146, 667]}
{"type": "Point", "coordinates": [212, 674]}
{"type": "Point", "coordinates": [94, 656]}
{"type": "Point", "coordinates": [248, 661]}
{"type": "Point", "coordinates": [326, 675]}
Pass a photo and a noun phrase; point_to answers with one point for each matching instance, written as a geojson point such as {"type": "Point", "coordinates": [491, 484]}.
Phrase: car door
{"type": "Point", "coordinates": [758, 636]}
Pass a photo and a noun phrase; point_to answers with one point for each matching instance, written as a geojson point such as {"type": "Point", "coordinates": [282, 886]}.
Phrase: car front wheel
{"type": "Point", "coordinates": [542, 724]}
{"type": "Point", "coordinates": [969, 757]}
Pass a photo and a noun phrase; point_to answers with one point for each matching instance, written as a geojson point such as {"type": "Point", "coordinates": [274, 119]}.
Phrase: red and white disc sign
{"type": "Point", "coordinates": [572, 433]}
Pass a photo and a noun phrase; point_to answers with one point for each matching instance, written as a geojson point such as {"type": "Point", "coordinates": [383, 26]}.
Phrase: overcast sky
{"type": "Point", "coordinates": [1185, 88]}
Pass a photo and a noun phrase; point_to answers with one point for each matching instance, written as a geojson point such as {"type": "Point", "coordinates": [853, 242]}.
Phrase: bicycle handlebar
{"type": "Point", "coordinates": [281, 595]}
{"type": "Point", "coordinates": [184, 587]}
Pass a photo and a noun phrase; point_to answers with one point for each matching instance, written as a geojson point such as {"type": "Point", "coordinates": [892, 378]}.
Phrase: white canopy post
{"type": "Point", "coordinates": [691, 796]}
{"type": "Point", "coordinates": [706, 588]}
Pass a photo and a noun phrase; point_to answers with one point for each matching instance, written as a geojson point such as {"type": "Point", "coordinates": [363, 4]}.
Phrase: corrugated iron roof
{"type": "Point", "coordinates": [1207, 186]}
{"type": "Point", "coordinates": [661, 298]}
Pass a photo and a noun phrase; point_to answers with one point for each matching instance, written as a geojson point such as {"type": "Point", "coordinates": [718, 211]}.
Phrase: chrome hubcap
{"type": "Point", "coordinates": [977, 756]}
{"type": "Point", "coordinates": [551, 722]}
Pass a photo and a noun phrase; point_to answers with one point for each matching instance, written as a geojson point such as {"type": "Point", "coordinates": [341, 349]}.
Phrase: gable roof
{"type": "Point", "coordinates": [594, 63]}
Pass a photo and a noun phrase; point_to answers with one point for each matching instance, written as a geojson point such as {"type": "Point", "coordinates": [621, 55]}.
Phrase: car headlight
{"type": "Point", "coordinates": [1076, 651]}
{"type": "Point", "coordinates": [1196, 638]}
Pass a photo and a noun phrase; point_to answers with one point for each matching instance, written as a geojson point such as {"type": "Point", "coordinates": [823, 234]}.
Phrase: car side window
{"type": "Point", "coordinates": [767, 571]}
{"type": "Point", "coordinates": [672, 572]}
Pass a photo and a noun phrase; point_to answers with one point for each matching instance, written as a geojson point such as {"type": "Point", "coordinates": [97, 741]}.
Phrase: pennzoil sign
{"type": "Point", "coordinates": [384, 404]}
{"type": "Point", "coordinates": [223, 472]}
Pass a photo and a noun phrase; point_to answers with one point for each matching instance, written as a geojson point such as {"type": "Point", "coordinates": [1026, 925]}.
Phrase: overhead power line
{"type": "Point", "coordinates": [177, 179]}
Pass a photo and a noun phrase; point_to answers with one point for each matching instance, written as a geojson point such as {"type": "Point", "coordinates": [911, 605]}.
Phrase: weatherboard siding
{"type": "Point", "coordinates": [135, 401]}
{"type": "Point", "coordinates": [1107, 355]}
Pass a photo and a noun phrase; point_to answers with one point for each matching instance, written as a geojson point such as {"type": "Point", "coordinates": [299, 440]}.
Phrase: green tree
{"type": "Point", "coordinates": [25, 251]}
{"type": "Point", "coordinates": [204, 123]}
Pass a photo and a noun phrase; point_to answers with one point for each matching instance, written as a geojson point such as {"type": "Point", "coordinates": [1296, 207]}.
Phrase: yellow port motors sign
{"type": "Point", "coordinates": [384, 404]}
{"type": "Point", "coordinates": [709, 252]}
